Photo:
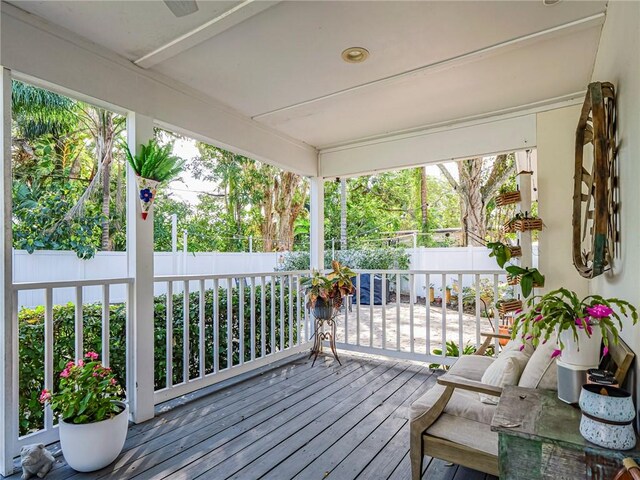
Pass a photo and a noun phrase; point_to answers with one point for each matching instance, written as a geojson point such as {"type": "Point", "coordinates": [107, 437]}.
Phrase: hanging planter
{"type": "Point", "coordinates": [516, 251]}
{"type": "Point", "coordinates": [522, 223]}
{"type": "Point", "coordinates": [153, 164]}
{"type": "Point", "coordinates": [508, 198]}
{"type": "Point", "coordinates": [506, 306]}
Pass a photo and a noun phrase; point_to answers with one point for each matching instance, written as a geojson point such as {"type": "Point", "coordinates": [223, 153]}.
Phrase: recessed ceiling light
{"type": "Point", "coordinates": [355, 55]}
{"type": "Point", "coordinates": [549, 3]}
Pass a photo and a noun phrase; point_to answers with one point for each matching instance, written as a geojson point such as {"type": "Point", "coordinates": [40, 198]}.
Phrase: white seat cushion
{"type": "Point", "coordinates": [471, 367]}
{"type": "Point", "coordinates": [476, 435]}
{"type": "Point", "coordinates": [463, 403]}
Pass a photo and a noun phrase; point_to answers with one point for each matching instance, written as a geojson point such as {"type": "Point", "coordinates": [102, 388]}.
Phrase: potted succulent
{"type": "Point", "coordinates": [325, 292]}
{"type": "Point", "coordinates": [153, 165]}
{"type": "Point", "coordinates": [93, 418]}
{"type": "Point", "coordinates": [580, 326]}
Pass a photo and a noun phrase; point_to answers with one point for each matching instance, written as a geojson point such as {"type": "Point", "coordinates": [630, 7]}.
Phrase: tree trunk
{"type": "Point", "coordinates": [473, 213]}
{"type": "Point", "coordinates": [424, 224]}
{"type": "Point", "coordinates": [104, 141]}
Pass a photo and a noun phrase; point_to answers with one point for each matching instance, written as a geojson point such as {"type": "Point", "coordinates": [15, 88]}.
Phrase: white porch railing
{"type": "Point", "coordinates": [409, 327]}
{"type": "Point", "coordinates": [202, 338]}
{"type": "Point", "coordinates": [214, 339]}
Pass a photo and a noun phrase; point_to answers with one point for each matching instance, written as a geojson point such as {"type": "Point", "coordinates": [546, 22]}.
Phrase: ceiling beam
{"type": "Point", "coordinates": [210, 29]}
{"type": "Point", "coordinates": [576, 25]}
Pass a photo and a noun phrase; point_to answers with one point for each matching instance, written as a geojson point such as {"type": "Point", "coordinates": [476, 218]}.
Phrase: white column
{"type": "Point", "coordinates": [8, 334]}
{"type": "Point", "coordinates": [140, 267]}
{"type": "Point", "coordinates": [524, 184]}
{"type": "Point", "coordinates": [317, 223]}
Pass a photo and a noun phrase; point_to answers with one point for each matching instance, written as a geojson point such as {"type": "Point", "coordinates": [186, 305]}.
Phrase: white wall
{"type": "Point", "coordinates": [33, 47]}
{"type": "Point", "coordinates": [556, 149]}
{"type": "Point", "coordinates": [618, 61]}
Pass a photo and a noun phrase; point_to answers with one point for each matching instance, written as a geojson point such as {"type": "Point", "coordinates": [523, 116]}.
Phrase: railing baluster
{"type": "Point", "coordinates": [358, 293]}
{"type": "Point", "coordinates": [201, 345]}
{"type": "Point", "coordinates": [290, 311]}
{"type": "Point", "coordinates": [263, 313]}
{"type": "Point", "coordinates": [229, 322]}
{"type": "Point", "coordinates": [384, 311]}
{"type": "Point", "coordinates": [169, 334]}
{"type": "Point", "coordinates": [347, 301]}
{"type": "Point", "coordinates": [478, 317]}
{"type": "Point", "coordinates": [79, 325]}
{"type": "Point", "coordinates": [106, 317]}
{"type": "Point", "coordinates": [444, 314]}
{"type": "Point", "coordinates": [253, 318]}
{"type": "Point", "coordinates": [241, 317]}
{"type": "Point", "coordinates": [48, 353]}
{"type": "Point", "coordinates": [427, 301]}
{"type": "Point", "coordinates": [273, 314]}
{"type": "Point", "coordinates": [460, 317]}
{"type": "Point", "coordinates": [298, 311]}
{"type": "Point", "coordinates": [398, 298]}
{"type": "Point", "coordinates": [185, 332]}
{"type": "Point", "coordinates": [216, 326]}
{"type": "Point", "coordinates": [412, 301]}
{"type": "Point", "coordinates": [371, 304]}
{"type": "Point", "coordinates": [282, 310]}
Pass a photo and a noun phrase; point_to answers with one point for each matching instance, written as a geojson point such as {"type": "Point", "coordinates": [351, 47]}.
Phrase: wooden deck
{"type": "Point", "coordinates": [329, 421]}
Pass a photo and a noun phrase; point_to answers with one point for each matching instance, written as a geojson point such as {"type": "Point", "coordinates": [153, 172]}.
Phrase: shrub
{"type": "Point", "coordinates": [31, 338]}
{"type": "Point", "coordinates": [374, 259]}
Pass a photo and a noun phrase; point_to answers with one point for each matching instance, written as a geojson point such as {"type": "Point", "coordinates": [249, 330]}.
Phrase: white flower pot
{"type": "Point", "coordinates": [92, 446]}
{"type": "Point", "coordinates": [585, 353]}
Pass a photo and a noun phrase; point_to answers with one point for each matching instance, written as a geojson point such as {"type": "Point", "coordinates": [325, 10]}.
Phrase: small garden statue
{"type": "Point", "coordinates": [35, 460]}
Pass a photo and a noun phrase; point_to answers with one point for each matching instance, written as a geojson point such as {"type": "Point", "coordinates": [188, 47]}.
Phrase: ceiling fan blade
{"type": "Point", "coordinates": [182, 8]}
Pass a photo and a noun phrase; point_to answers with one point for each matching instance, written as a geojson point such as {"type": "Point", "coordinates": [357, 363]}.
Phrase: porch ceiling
{"type": "Point", "coordinates": [279, 62]}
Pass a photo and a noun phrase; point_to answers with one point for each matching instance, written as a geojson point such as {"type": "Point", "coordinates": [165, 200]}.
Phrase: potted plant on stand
{"type": "Point", "coordinates": [580, 326]}
{"type": "Point", "coordinates": [93, 418]}
{"type": "Point", "coordinates": [324, 297]}
{"type": "Point", "coordinates": [153, 165]}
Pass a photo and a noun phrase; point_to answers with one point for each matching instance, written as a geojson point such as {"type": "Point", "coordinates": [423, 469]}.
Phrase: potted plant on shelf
{"type": "Point", "coordinates": [527, 278]}
{"type": "Point", "coordinates": [506, 196]}
{"type": "Point", "coordinates": [153, 164]}
{"type": "Point", "coordinates": [325, 292]}
{"type": "Point", "coordinates": [500, 251]}
{"type": "Point", "coordinates": [93, 418]}
{"type": "Point", "coordinates": [521, 222]}
{"type": "Point", "coordinates": [580, 326]}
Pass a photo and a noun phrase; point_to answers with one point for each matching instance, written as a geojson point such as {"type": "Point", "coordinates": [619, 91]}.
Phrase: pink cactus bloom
{"type": "Point", "coordinates": [556, 353]}
{"type": "Point", "coordinates": [518, 312]}
{"type": "Point", "coordinates": [599, 311]}
{"type": "Point", "coordinates": [45, 396]}
{"type": "Point", "coordinates": [584, 323]}
{"type": "Point", "coordinates": [92, 356]}
{"type": "Point", "coordinates": [529, 337]}
{"type": "Point", "coordinates": [538, 318]}
{"type": "Point", "coordinates": [605, 351]}
{"type": "Point", "coordinates": [64, 373]}
{"type": "Point", "coordinates": [521, 347]}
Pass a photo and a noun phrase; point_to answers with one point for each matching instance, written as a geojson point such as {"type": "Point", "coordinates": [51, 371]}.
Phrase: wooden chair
{"type": "Point", "coordinates": [423, 443]}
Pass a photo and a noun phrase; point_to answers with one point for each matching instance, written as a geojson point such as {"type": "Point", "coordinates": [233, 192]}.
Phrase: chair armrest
{"type": "Point", "coordinates": [502, 336]}
{"type": "Point", "coordinates": [456, 381]}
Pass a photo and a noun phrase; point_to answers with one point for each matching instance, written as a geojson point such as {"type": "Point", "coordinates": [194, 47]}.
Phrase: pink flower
{"type": "Point", "coordinates": [45, 396]}
{"type": "Point", "coordinates": [584, 323]}
{"type": "Point", "coordinates": [92, 356]}
{"type": "Point", "coordinates": [71, 364]}
{"type": "Point", "coordinates": [538, 318]}
{"type": "Point", "coordinates": [556, 353]}
{"type": "Point", "coordinates": [529, 337]}
{"type": "Point", "coordinates": [519, 311]}
{"type": "Point", "coordinates": [64, 373]}
{"type": "Point", "coordinates": [605, 351]}
{"type": "Point", "coordinates": [81, 363]}
{"type": "Point", "coordinates": [113, 381]}
{"type": "Point", "coordinates": [521, 347]}
{"type": "Point", "coordinates": [599, 311]}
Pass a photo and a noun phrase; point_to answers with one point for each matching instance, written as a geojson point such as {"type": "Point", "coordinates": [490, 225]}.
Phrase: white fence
{"type": "Point", "coordinates": [56, 266]}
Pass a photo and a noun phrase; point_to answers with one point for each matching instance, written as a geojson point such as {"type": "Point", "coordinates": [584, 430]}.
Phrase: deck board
{"type": "Point", "coordinates": [328, 421]}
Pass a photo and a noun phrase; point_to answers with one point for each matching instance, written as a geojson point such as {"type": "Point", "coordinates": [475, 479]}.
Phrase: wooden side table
{"type": "Point", "coordinates": [539, 438]}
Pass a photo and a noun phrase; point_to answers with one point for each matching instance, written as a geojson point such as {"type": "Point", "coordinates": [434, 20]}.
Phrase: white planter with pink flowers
{"type": "Point", "coordinates": [585, 352]}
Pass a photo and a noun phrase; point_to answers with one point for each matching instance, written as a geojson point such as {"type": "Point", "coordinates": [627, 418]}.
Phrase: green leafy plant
{"type": "Point", "coordinates": [332, 287]}
{"type": "Point", "coordinates": [529, 278]}
{"type": "Point", "coordinates": [87, 392]}
{"type": "Point", "coordinates": [500, 251]}
{"type": "Point", "coordinates": [155, 162]}
{"type": "Point", "coordinates": [562, 309]}
{"type": "Point", "coordinates": [454, 351]}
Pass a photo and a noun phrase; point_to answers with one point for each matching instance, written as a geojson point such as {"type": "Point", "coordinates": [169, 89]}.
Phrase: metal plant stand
{"type": "Point", "coordinates": [321, 335]}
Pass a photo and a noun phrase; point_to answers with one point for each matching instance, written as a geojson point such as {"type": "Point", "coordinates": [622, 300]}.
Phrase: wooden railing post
{"type": "Point", "coordinates": [140, 388]}
{"type": "Point", "coordinates": [8, 333]}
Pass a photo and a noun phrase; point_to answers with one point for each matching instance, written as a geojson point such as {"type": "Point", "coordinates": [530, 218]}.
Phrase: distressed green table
{"type": "Point", "coordinates": [539, 438]}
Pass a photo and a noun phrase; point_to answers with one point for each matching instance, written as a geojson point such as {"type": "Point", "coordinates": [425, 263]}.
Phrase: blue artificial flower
{"type": "Point", "coordinates": [146, 195]}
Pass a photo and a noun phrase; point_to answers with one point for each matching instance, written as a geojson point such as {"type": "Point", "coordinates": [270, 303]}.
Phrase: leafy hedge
{"type": "Point", "coordinates": [373, 259]}
{"type": "Point", "coordinates": [31, 337]}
